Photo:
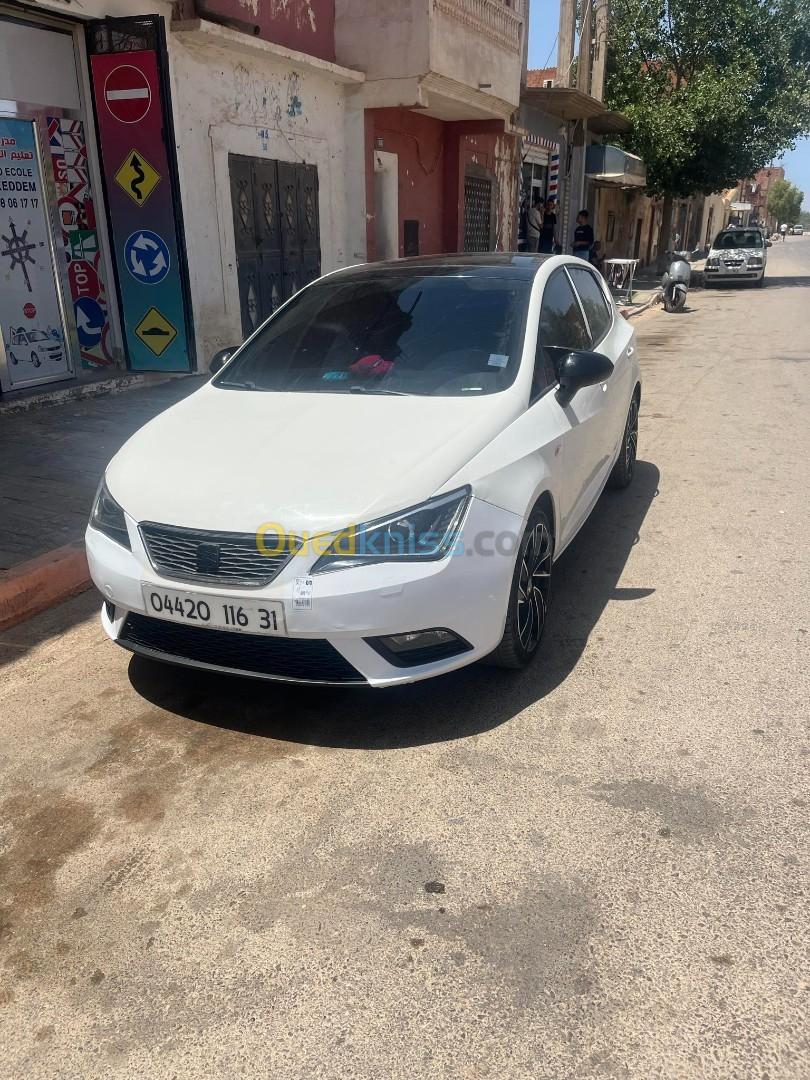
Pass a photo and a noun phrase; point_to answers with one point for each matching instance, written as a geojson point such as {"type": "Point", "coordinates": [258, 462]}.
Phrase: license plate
{"type": "Point", "coordinates": [244, 616]}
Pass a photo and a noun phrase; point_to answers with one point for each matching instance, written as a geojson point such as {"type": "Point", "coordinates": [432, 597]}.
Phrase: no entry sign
{"type": "Point", "coordinates": [127, 94]}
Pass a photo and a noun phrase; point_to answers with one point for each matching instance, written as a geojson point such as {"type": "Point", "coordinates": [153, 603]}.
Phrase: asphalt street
{"type": "Point", "coordinates": [597, 868]}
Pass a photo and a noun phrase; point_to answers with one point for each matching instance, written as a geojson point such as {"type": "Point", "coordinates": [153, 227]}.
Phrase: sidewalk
{"type": "Point", "coordinates": [53, 459]}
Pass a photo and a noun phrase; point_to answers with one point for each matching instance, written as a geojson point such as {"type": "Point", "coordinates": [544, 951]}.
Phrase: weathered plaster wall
{"type": "Point", "coordinates": [471, 56]}
{"type": "Point", "coordinates": [418, 141]}
{"type": "Point", "coordinates": [387, 39]}
{"type": "Point", "coordinates": [224, 104]}
{"type": "Point", "coordinates": [305, 25]}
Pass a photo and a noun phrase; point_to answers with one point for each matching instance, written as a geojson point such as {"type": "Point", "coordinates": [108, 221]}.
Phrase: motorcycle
{"type": "Point", "coordinates": [675, 282]}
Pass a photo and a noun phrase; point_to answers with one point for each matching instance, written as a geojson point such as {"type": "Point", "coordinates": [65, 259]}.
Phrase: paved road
{"type": "Point", "coordinates": [595, 869]}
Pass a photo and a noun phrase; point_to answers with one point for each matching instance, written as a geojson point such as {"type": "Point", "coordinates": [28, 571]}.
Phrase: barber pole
{"type": "Point", "coordinates": [553, 172]}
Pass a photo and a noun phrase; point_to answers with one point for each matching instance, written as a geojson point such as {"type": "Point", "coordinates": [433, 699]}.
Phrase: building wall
{"type": "Point", "coordinates": [419, 143]}
{"type": "Point", "coordinates": [478, 42]}
{"type": "Point", "coordinates": [432, 158]}
{"type": "Point", "coordinates": [305, 25]}
{"type": "Point", "coordinates": [388, 39]}
{"type": "Point", "coordinates": [472, 42]}
{"type": "Point", "coordinates": [225, 104]}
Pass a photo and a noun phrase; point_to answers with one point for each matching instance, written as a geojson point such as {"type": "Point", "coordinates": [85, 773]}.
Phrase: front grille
{"type": "Point", "coordinates": [217, 558]}
{"type": "Point", "coordinates": [733, 262]}
{"type": "Point", "coordinates": [298, 659]}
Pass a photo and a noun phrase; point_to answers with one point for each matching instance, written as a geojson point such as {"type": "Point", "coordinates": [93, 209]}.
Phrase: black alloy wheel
{"type": "Point", "coordinates": [625, 465]}
{"type": "Point", "coordinates": [529, 595]}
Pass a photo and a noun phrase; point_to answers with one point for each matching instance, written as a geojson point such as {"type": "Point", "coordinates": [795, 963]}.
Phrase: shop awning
{"type": "Point", "coordinates": [568, 103]}
{"type": "Point", "coordinates": [611, 165]}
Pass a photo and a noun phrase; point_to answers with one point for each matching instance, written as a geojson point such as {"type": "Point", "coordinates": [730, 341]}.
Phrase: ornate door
{"type": "Point", "coordinates": [276, 230]}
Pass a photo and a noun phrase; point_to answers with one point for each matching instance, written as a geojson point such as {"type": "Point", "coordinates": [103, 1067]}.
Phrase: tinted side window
{"type": "Point", "coordinates": [561, 322]}
{"type": "Point", "coordinates": [594, 303]}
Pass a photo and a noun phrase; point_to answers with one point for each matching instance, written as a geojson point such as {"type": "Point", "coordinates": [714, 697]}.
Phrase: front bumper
{"type": "Point", "coordinates": [730, 274]}
{"type": "Point", "coordinates": [466, 592]}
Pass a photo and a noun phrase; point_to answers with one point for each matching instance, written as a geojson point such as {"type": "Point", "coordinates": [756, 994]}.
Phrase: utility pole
{"type": "Point", "coordinates": [601, 15]}
{"type": "Point", "coordinates": [585, 42]}
{"type": "Point", "coordinates": [565, 47]}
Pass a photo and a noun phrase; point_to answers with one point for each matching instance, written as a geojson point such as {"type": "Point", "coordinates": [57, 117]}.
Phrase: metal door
{"type": "Point", "coordinates": [276, 230]}
{"type": "Point", "coordinates": [477, 213]}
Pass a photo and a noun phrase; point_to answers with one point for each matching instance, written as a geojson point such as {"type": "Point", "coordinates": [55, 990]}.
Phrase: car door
{"type": "Point", "coordinates": [612, 336]}
{"type": "Point", "coordinates": [562, 325]}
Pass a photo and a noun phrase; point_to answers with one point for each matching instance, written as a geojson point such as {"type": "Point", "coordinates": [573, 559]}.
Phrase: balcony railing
{"type": "Point", "coordinates": [492, 18]}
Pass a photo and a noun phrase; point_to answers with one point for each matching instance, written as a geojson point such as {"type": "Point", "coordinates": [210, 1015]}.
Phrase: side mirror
{"type": "Point", "coordinates": [221, 358]}
{"type": "Point", "coordinates": [576, 370]}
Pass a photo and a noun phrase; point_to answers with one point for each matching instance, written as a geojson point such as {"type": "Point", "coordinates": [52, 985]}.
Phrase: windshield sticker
{"type": "Point", "coordinates": [335, 376]}
{"type": "Point", "coordinates": [498, 360]}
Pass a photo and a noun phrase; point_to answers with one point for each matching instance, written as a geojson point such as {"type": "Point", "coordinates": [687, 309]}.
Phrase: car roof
{"type": "Point", "coordinates": [494, 263]}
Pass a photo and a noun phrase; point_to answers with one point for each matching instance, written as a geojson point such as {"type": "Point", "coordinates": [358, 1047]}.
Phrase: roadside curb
{"type": "Point", "coordinates": [34, 586]}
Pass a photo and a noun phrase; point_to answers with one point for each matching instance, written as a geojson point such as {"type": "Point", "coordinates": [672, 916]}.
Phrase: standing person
{"type": "Point", "coordinates": [535, 223]}
{"type": "Point", "coordinates": [548, 233]}
{"type": "Point", "coordinates": [783, 231]}
{"type": "Point", "coordinates": [583, 237]}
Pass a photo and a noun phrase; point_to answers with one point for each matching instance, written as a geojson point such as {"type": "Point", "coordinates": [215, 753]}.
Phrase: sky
{"type": "Point", "coordinates": [543, 18]}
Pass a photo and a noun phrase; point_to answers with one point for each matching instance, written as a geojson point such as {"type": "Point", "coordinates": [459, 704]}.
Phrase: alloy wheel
{"type": "Point", "coordinates": [533, 586]}
{"type": "Point", "coordinates": [631, 439]}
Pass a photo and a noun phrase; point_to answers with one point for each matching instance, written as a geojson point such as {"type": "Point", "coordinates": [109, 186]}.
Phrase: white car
{"type": "Point", "coordinates": [737, 255]}
{"type": "Point", "coordinates": [375, 486]}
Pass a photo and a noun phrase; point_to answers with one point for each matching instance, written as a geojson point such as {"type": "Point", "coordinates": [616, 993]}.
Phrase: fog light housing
{"type": "Point", "coordinates": [419, 646]}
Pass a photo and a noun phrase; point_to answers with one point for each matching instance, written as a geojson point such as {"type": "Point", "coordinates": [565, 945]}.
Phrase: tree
{"type": "Point", "coordinates": [785, 202]}
{"type": "Point", "coordinates": [714, 91]}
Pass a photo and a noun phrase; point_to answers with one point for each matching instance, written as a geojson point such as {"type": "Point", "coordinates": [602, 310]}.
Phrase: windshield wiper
{"type": "Point", "coordinates": [376, 390]}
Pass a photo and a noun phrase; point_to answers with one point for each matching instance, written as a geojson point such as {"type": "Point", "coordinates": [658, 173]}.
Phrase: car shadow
{"type": "Point", "coordinates": [454, 706]}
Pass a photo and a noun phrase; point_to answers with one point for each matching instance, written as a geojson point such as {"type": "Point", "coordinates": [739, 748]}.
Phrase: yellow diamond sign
{"type": "Point", "coordinates": [137, 177]}
{"type": "Point", "coordinates": [155, 331]}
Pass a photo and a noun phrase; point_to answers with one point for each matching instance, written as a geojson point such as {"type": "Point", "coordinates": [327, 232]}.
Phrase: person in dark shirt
{"type": "Point", "coordinates": [583, 236]}
{"type": "Point", "coordinates": [548, 234]}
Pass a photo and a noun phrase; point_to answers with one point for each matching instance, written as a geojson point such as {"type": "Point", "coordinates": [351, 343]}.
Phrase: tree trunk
{"type": "Point", "coordinates": [665, 234]}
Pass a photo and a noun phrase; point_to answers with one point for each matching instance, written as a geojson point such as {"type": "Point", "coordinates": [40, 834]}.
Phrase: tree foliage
{"type": "Point", "coordinates": [785, 201]}
{"type": "Point", "coordinates": [714, 91]}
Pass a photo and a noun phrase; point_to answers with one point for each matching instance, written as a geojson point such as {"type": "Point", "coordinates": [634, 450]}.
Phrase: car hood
{"type": "Point", "coordinates": [233, 460]}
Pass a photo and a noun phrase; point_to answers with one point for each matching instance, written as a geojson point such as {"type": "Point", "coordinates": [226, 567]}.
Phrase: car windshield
{"type": "Point", "coordinates": [738, 238]}
{"type": "Point", "coordinates": [37, 335]}
{"type": "Point", "coordinates": [443, 333]}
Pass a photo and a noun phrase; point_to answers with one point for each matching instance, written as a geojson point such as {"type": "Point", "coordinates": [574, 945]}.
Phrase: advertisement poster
{"type": "Point", "coordinates": [126, 87]}
{"type": "Point", "coordinates": [30, 320]}
{"type": "Point", "coordinates": [79, 240]}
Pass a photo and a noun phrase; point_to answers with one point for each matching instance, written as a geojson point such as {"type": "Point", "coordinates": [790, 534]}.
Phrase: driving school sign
{"type": "Point", "coordinates": [140, 194]}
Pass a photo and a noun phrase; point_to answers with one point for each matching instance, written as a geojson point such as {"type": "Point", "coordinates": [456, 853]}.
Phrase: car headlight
{"type": "Point", "coordinates": [423, 533]}
{"type": "Point", "coordinates": [713, 260]}
{"type": "Point", "coordinates": [108, 517]}
{"type": "Point", "coordinates": [755, 260]}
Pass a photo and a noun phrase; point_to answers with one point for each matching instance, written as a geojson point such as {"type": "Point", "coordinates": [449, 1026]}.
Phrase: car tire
{"type": "Point", "coordinates": [760, 282]}
{"type": "Point", "coordinates": [528, 596]}
{"type": "Point", "coordinates": [625, 467]}
{"type": "Point", "coordinates": [12, 357]}
{"type": "Point", "coordinates": [35, 360]}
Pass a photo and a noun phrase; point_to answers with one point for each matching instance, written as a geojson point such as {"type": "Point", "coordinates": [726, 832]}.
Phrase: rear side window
{"type": "Point", "coordinates": [594, 303]}
{"type": "Point", "coordinates": [561, 322]}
